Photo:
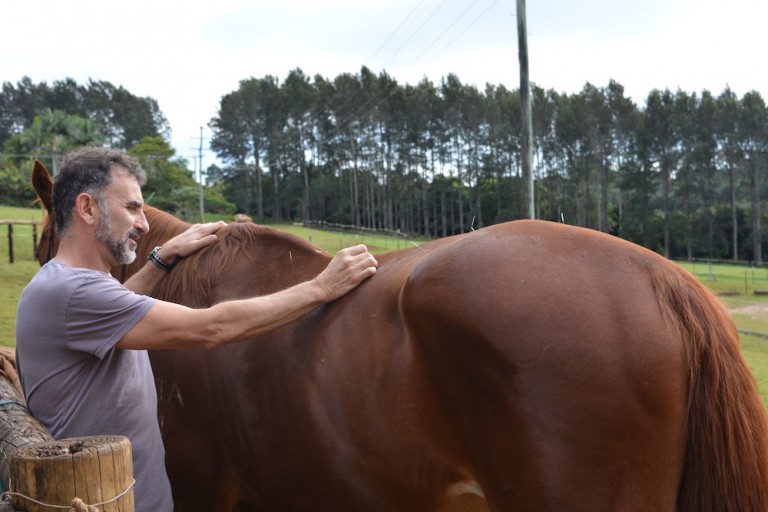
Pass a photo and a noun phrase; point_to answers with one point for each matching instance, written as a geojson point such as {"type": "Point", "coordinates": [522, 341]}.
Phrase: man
{"type": "Point", "coordinates": [81, 336]}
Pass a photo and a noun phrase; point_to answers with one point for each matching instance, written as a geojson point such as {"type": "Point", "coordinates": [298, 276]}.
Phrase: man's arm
{"type": "Point", "coordinates": [193, 239]}
{"type": "Point", "coordinates": [169, 325]}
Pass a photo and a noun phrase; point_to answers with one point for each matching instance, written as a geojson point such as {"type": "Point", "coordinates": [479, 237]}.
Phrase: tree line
{"type": "Point", "coordinates": [681, 174]}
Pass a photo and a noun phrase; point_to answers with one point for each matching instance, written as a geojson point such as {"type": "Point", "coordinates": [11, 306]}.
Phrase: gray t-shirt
{"type": "Point", "coordinates": [77, 383]}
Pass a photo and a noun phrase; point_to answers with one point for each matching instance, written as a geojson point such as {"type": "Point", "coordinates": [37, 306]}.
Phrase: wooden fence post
{"type": "Point", "coordinates": [40, 474]}
{"type": "Point", "coordinates": [10, 224]}
{"type": "Point", "coordinates": [10, 242]}
{"type": "Point", "coordinates": [95, 470]}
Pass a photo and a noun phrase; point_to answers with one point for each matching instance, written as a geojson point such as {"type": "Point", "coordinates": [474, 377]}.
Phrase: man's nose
{"type": "Point", "coordinates": [142, 224]}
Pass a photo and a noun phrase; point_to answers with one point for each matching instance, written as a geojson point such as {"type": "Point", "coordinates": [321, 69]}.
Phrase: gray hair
{"type": "Point", "coordinates": [88, 169]}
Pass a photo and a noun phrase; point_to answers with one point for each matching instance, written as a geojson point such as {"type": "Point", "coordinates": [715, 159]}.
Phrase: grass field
{"type": "Point", "coordinates": [737, 285]}
{"type": "Point", "coordinates": [14, 277]}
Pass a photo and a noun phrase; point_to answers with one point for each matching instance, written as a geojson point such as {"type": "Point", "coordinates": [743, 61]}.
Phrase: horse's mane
{"type": "Point", "coordinates": [195, 276]}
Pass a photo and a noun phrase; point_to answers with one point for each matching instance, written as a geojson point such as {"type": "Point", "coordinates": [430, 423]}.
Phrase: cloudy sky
{"type": "Point", "coordinates": [187, 55]}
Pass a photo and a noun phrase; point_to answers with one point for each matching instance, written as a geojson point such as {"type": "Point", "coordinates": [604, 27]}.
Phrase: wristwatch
{"type": "Point", "coordinates": [160, 263]}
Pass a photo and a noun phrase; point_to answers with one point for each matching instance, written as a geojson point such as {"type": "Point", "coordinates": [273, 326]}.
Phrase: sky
{"type": "Point", "coordinates": [188, 55]}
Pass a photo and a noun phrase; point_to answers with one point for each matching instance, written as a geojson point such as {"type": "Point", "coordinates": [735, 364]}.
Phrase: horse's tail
{"type": "Point", "coordinates": [726, 462]}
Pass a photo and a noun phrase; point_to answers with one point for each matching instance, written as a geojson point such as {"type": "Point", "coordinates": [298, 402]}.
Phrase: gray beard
{"type": "Point", "coordinates": [118, 247]}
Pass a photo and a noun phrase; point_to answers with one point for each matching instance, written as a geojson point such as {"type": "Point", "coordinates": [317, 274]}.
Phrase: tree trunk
{"type": "Point", "coordinates": [305, 192]}
{"type": "Point", "coordinates": [757, 225]}
{"type": "Point", "coordinates": [734, 216]}
{"type": "Point", "coordinates": [665, 198]}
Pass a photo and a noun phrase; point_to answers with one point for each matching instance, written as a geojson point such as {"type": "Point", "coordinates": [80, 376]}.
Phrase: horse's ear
{"type": "Point", "coordinates": [43, 184]}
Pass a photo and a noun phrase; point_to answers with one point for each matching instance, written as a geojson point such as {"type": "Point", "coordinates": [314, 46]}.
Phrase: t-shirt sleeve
{"type": "Point", "coordinates": [100, 312]}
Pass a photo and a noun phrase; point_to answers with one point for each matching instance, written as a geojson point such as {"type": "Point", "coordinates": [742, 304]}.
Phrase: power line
{"type": "Point", "coordinates": [418, 29]}
{"type": "Point", "coordinates": [464, 31]}
{"type": "Point", "coordinates": [396, 30]}
{"type": "Point", "coordinates": [444, 31]}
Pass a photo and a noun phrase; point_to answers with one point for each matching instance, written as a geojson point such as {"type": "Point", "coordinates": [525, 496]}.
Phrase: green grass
{"type": "Point", "coordinates": [333, 241]}
{"type": "Point", "coordinates": [14, 277]}
{"type": "Point", "coordinates": [727, 278]}
{"type": "Point", "coordinates": [737, 284]}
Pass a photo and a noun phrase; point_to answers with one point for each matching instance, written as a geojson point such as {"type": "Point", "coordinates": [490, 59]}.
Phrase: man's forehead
{"type": "Point", "coordinates": [125, 185]}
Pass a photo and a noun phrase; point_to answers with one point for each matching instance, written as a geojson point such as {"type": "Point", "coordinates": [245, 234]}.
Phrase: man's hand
{"type": "Point", "coordinates": [190, 241]}
{"type": "Point", "coordinates": [349, 268]}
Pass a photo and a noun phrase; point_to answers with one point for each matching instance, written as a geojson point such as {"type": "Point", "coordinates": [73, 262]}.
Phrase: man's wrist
{"type": "Point", "coordinates": [159, 261]}
{"type": "Point", "coordinates": [322, 291]}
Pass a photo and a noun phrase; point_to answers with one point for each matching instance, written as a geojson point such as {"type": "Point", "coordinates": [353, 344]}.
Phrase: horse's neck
{"type": "Point", "coordinates": [162, 226]}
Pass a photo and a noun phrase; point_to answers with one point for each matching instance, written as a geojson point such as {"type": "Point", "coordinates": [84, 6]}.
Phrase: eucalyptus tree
{"type": "Point", "coordinates": [394, 155]}
{"type": "Point", "coordinates": [731, 156]}
{"type": "Point", "coordinates": [270, 109]}
{"type": "Point", "coordinates": [127, 118]}
{"type": "Point", "coordinates": [242, 131]}
{"type": "Point", "coordinates": [423, 115]}
{"type": "Point", "coordinates": [597, 131]}
{"type": "Point", "coordinates": [624, 121]}
{"type": "Point", "coordinates": [704, 153]}
{"type": "Point", "coordinates": [661, 151]}
{"type": "Point", "coordinates": [345, 141]}
{"type": "Point", "coordinates": [462, 108]}
{"type": "Point", "coordinates": [68, 96]}
{"type": "Point", "coordinates": [501, 138]}
{"type": "Point", "coordinates": [18, 106]}
{"type": "Point", "coordinates": [382, 126]}
{"type": "Point", "coordinates": [639, 185]}
{"type": "Point", "coordinates": [322, 148]}
{"type": "Point", "coordinates": [549, 165]}
{"type": "Point", "coordinates": [754, 140]}
{"type": "Point", "coordinates": [231, 141]}
{"type": "Point", "coordinates": [687, 191]}
{"type": "Point", "coordinates": [583, 128]}
{"type": "Point", "coordinates": [569, 150]}
{"type": "Point", "coordinates": [298, 97]}
{"type": "Point", "coordinates": [476, 133]}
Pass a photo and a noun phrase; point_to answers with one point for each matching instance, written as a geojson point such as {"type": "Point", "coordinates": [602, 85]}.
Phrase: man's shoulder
{"type": "Point", "coordinates": [57, 281]}
{"type": "Point", "coordinates": [56, 273]}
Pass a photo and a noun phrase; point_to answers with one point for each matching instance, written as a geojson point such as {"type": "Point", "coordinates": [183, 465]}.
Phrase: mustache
{"type": "Point", "coordinates": [135, 234]}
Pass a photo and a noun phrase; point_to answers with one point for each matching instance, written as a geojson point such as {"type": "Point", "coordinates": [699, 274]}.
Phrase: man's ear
{"type": "Point", "coordinates": [87, 208]}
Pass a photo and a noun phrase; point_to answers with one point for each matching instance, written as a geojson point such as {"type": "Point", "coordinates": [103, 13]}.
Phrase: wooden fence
{"type": "Point", "coordinates": [10, 224]}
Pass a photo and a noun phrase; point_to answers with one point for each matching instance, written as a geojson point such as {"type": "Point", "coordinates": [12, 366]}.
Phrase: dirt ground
{"type": "Point", "coordinates": [757, 308]}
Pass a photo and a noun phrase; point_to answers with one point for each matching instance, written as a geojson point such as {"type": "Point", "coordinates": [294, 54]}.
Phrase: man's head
{"type": "Point", "coordinates": [106, 178]}
{"type": "Point", "coordinates": [88, 170]}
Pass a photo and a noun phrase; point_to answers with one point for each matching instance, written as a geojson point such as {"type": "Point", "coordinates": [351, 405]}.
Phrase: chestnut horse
{"type": "Point", "coordinates": [526, 366]}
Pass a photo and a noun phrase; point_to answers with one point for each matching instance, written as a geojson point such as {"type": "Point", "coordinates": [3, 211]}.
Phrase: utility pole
{"type": "Point", "coordinates": [200, 177]}
{"type": "Point", "coordinates": [525, 109]}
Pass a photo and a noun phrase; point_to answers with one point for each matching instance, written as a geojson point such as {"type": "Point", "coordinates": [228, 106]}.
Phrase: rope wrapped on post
{"type": "Point", "coordinates": [77, 504]}
{"type": "Point", "coordinates": [97, 470]}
